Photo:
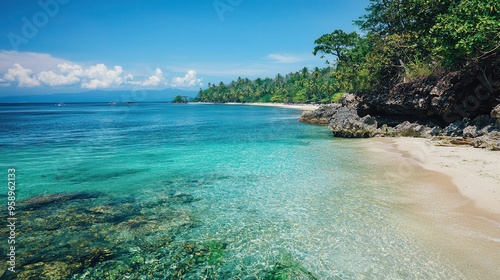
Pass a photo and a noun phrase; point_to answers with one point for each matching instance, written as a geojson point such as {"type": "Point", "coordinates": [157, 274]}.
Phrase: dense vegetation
{"type": "Point", "coordinates": [299, 87]}
{"type": "Point", "coordinates": [401, 40]}
{"type": "Point", "coordinates": [180, 99]}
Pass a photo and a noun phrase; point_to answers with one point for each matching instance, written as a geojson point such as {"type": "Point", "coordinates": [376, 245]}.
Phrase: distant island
{"type": "Point", "coordinates": [181, 99]}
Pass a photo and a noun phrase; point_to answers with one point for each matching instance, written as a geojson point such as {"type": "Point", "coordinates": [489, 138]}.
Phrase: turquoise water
{"type": "Point", "coordinates": [201, 191]}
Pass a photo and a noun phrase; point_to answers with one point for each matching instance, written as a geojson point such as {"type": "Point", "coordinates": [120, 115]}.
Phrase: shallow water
{"type": "Point", "coordinates": [202, 191]}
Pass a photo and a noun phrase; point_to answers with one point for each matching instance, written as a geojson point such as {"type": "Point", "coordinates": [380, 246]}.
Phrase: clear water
{"type": "Point", "coordinates": [267, 194]}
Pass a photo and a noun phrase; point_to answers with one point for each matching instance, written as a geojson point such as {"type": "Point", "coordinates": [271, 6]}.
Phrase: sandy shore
{"type": "Point", "coordinates": [475, 172]}
{"type": "Point", "coordinates": [304, 107]}
{"type": "Point", "coordinates": [448, 198]}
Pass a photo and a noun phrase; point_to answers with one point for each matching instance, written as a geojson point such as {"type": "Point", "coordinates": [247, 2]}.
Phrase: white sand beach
{"type": "Point", "coordinates": [475, 172]}
{"type": "Point", "coordinates": [450, 197]}
{"type": "Point", "coordinates": [304, 107]}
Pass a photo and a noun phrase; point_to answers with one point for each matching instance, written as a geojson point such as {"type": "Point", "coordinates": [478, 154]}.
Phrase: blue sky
{"type": "Point", "coordinates": [50, 46]}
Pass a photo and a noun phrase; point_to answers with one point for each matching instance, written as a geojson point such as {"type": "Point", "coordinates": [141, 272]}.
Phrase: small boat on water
{"type": "Point", "coordinates": [60, 104]}
{"type": "Point", "coordinates": [112, 103]}
{"type": "Point", "coordinates": [130, 102]}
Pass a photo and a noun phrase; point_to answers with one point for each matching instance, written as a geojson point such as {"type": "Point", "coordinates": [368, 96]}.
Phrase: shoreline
{"type": "Point", "coordinates": [448, 198]}
{"type": "Point", "coordinates": [474, 172]}
{"type": "Point", "coordinates": [303, 107]}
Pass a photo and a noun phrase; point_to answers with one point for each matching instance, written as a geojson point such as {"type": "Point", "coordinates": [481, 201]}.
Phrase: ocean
{"type": "Point", "coordinates": [166, 191]}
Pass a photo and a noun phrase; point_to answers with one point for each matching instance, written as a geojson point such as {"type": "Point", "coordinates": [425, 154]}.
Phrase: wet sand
{"type": "Point", "coordinates": [450, 198]}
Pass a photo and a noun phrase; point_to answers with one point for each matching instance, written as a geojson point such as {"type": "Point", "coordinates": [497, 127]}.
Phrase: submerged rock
{"type": "Point", "coordinates": [43, 200]}
{"type": "Point", "coordinates": [289, 268]}
{"type": "Point", "coordinates": [49, 270]}
{"type": "Point", "coordinates": [90, 235]}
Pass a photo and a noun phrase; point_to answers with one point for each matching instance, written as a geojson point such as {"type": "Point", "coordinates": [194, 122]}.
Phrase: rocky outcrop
{"type": "Point", "coordinates": [349, 100]}
{"type": "Point", "coordinates": [325, 113]}
{"type": "Point", "coordinates": [346, 123]}
{"type": "Point", "coordinates": [322, 115]}
{"type": "Point", "coordinates": [462, 107]}
{"type": "Point", "coordinates": [457, 95]}
{"type": "Point", "coordinates": [408, 129]}
{"type": "Point", "coordinates": [489, 141]}
{"type": "Point", "coordinates": [495, 113]}
{"type": "Point", "coordinates": [483, 132]}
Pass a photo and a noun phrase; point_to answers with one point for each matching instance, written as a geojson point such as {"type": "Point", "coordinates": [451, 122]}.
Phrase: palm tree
{"type": "Point", "coordinates": [304, 72]}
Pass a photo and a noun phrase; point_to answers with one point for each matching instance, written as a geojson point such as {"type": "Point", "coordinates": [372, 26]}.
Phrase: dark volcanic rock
{"type": "Point", "coordinates": [346, 123]}
{"type": "Point", "coordinates": [455, 96]}
{"type": "Point", "coordinates": [435, 131]}
{"type": "Point", "coordinates": [454, 129]}
{"type": "Point", "coordinates": [480, 126]}
{"type": "Point", "coordinates": [459, 104]}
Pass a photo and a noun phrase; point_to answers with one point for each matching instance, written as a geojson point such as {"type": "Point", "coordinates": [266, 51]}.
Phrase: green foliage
{"type": "Point", "coordinates": [411, 39]}
{"type": "Point", "coordinates": [337, 96]}
{"type": "Point", "coordinates": [304, 86]}
{"type": "Point", "coordinates": [266, 98]}
{"type": "Point", "coordinates": [418, 70]}
{"type": "Point", "coordinates": [469, 31]}
{"type": "Point", "coordinates": [180, 99]}
{"type": "Point", "coordinates": [337, 43]}
{"type": "Point", "coordinates": [403, 40]}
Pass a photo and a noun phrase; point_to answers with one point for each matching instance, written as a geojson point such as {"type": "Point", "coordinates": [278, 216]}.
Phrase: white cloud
{"type": "Point", "coordinates": [68, 75]}
{"type": "Point", "coordinates": [285, 58]}
{"type": "Point", "coordinates": [188, 81]}
{"type": "Point", "coordinates": [154, 80]}
{"type": "Point", "coordinates": [23, 69]}
{"type": "Point", "coordinates": [21, 76]}
{"type": "Point", "coordinates": [99, 76]}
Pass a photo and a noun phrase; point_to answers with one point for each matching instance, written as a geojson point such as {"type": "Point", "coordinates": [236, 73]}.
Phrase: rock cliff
{"type": "Point", "coordinates": [459, 107]}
